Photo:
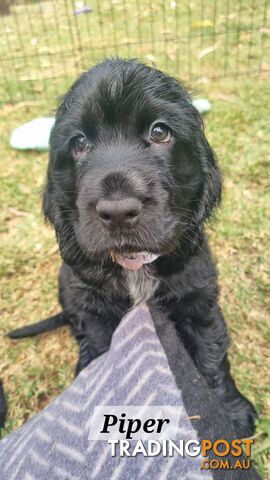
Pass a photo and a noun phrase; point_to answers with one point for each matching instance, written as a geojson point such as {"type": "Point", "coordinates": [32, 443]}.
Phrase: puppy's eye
{"type": "Point", "coordinates": [160, 133]}
{"type": "Point", "coordinates": [80, 144]}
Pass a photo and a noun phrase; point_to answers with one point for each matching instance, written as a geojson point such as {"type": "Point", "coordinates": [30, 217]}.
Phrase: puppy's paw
{"type": "Point", "coordinates": [243, 415]}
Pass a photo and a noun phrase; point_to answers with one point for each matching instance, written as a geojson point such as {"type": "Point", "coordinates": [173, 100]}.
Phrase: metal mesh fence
{"type": "Point", "coordinates": [44, 45]}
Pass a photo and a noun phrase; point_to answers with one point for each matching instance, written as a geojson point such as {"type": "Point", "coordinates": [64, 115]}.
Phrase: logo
{"type": "Point", "coordinates": [156, 430]}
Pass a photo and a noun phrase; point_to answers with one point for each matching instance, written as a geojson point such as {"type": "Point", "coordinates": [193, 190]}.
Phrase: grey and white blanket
{"type": "Point", "coordinates": [147, 366]}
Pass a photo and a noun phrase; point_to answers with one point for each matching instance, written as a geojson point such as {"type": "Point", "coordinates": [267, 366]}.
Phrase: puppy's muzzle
{"type": "Point", "coordinates": [123, 214]}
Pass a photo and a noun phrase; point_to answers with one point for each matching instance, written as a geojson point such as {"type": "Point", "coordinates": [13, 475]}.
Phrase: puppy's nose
{"type": "Point", "coordinates": [119, 213]}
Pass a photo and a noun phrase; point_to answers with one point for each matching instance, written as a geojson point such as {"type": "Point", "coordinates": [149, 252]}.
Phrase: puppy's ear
{"type": "Point", "coordinates": [48, 193]}
{"type": "Point", "coordinates": [60, 178]}
{"type": "Point", "coordinates": [52, 197]}
{"type": "Point", "coordinates": [47, 200]}
{"type": "Point", "coordinates": [209, 194]}
{"type": "Point", "coordinates": [57, 202]}
{"type": "Point", "coordinates": [212, 183]}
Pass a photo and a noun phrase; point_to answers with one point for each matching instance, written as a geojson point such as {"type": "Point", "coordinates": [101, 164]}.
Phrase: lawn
{"type": "Point", "coordinates": [36, 370]}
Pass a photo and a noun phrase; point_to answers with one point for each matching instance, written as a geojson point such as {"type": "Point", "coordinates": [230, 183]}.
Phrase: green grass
{"type": "Point", "coordinates": [36, 370]}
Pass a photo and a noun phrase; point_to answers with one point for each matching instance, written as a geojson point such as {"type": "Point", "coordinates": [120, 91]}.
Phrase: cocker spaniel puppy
{"type": "Point", "coordinates": [131, 182]}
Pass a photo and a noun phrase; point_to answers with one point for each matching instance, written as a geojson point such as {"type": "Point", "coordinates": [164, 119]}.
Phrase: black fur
{"type": "Point", "coordinates": [178, 185]}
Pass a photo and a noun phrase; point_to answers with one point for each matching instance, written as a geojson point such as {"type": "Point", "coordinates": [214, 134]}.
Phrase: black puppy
{"type": "Point", "coordinates": [131, 182]}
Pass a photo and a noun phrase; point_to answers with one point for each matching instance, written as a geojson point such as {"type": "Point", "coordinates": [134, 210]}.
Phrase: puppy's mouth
{"type": "Point", "coordinates": [133, 261]}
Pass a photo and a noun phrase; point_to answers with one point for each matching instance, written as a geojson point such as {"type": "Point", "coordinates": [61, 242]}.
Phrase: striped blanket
{"type": "Point", "coordinates": [146, 366]}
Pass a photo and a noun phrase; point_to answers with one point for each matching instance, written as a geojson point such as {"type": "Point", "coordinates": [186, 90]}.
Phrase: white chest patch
{"type": "Point", "coordinates": [141, 284]}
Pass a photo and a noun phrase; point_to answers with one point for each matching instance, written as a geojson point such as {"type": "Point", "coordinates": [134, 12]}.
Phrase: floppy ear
{"type": "Point", "coordinates": [53, 195]}
{"type": "Point", "coordinates": [209, 196]}
{"type": "Point", "coordinates": [212, 184]}
{"type": "Point", "coordinates": [57, 203]}
{"type": "Point", "coordinates": [47, 199]}
{"type": "Point", "coordinates": [60, 177]}
{"type": "Point", "coordinates": [48, 193]}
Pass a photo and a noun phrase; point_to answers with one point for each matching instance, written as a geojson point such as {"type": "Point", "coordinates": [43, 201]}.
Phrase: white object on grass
{"type": "Point", "coordinates": [33, 135]}
{"type": "Point", "coordinates": [202, 104]}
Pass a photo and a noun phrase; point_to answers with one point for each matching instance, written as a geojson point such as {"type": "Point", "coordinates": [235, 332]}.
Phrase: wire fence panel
{"type": "Point", "coordinates": [44, 45]}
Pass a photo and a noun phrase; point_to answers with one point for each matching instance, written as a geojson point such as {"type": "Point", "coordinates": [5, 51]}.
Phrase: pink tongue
{"type": "Point", "coordinates": [130, 263]}
{"type": "Point", "coordinates": [135, 261]}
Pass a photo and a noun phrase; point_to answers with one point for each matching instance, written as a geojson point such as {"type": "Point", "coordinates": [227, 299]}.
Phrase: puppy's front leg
{"type": "Point", "coordinates": [91, 311]}
{"type": "Point", "coordinates": [94, 341]}
{"type": "Point", "coordinates": [207, 340]}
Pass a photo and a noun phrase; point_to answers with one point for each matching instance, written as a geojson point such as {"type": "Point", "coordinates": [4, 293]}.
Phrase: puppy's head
{"type": "Point", "coordinates": [131, 175]}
